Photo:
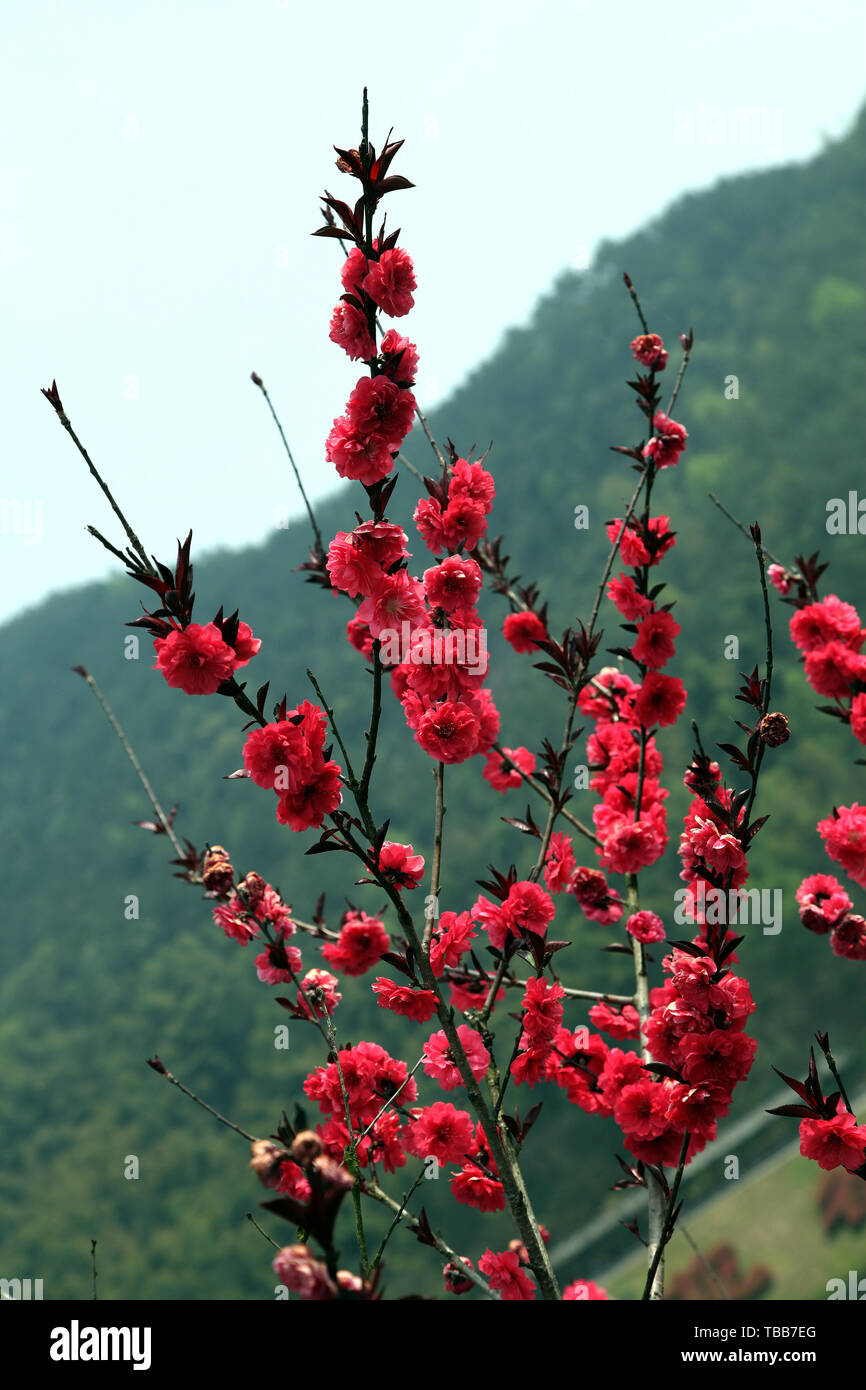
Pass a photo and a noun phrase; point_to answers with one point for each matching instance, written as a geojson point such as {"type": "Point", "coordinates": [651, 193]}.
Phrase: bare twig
{"type": "Point", "coordinates": [162, 1070]}
{"type": "Point", "coordinates": [128, 750]}
{"type": "Point", "coordinates": [262, 1231]}
{"type": "Point", "coordinates": [435, 884]}
{"type": "Point", "coordinates": [320, 549]}
{"type": "Point", "coordinates": [740, 527]}
{"type": "Point", "coordinates": [52, 396]}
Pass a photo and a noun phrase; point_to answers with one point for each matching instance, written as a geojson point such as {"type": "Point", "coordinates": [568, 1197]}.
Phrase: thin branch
{"type": "Point", "coordinates": [262, 1231]}
{"type": "Point", "coordinates": [127, 748]}
{"type": "Point", "coordinates": [592, 994]}
{"type": "Point", "coordinates": [375, 716]}
{"type": "Point", "coordinates": [162, 1070]}
{"type": "Point", "coordinates": [636, 302]}
{"type": "Point", "coordinates": [310, 513]}
{"type": "Point", "coordinates": [652, 1288]}
{"type": "Point", "coordinates": [687, 352]}
{"type": "Point", "coordinates": [543, 791]}
{"type": "Point", "coordinates": [124, 559]}
{"type": "Point", "coordinates": [705, 1262]}
{"type": "Point", "coordinates": [431, 441]}
{"type": "Point", "coordinates": [745, 530]}
{"type": "Point", "coordinates": [435, 884]}
{"type": "Point", "coordinates": [553, 811]}
{"type": "Point", "coordinates": [512, 1059]}
{"type": "Point", "coordinates": [655, 1192]}
{"type": "Point", "coordinates": [613, 553]}
{"type": "Point", "coordinates": [353, 781]}
{"type": "Point", "coordinates": [397, 1218]}
{"type": "Point", "coordinates": [824, 1044]}
{"type": "Point", "coordinates": [373, 1190]}
{"type": "Point", "coordinates": [416, 472]}
{"type": "Point", "coordinates": [495, 985]}
{"type": "Point", "coordinates": [53, 398]}
{"type": "Point", "coordinates": [768, 683]}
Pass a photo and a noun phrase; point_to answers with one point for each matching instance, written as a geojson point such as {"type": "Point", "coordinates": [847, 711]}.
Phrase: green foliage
{"type": "Point", "coordinates": [773, 287]}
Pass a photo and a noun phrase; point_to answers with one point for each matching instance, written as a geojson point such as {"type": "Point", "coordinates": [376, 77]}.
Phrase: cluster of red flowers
{"type": "Point", "coordinates": [834, 1143]}
{"type": "Point", "coordinates": [825, 907]}
{"type": "Point", "coordinates": [197, 659]}
{"type": "Point", "coordinates": [505, 1271]}
{"type": "Point", "coordinates": [630, 820]}
{"type": "Point", "coordinates": [829, 1132]}
{"type": "Point", "coordinates": [431, 637]}
{"type": "Point", "coordinates": [667, 443]}
{"type": "Point", "coordinates": [695, 1030]}
{"type": "Point", "coordinates": [439, 1131]}
{"type": "Point", "coordinates": [625, 762]}
{"type": "Point", "coordinates": [709, 850]}
{"type": "Point", "coordinates": [252, 910]}
{"type": "Point", "coordinates": [288, 757]}
{"type": "Point", "coordinates": [297, 1268]}
{"type": "Point", "coordinates": [542, 1020]}
{"type": "Point", "coordinates": [830, 639]}
{"type": "Point", "coordinates": [430, 634]}
{"type": "Point", "coordinates": [696, 1027]}
{"type": "Point", "coordinates": [370, 1078]}
{"type": "Point", "coordinates": [365, 440]}
{"type": "Point", "coordinates": [667, 1092]}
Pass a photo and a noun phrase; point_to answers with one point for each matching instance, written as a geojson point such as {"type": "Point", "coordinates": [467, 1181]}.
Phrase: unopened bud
{"type": "Point", "coordinates": [218, 875]}
{"type": "Point", "coordinates": [252, 888]}
{"type": "Point", "coordinates": [300, 1271]}
{"type": "Point", "coordinates": [349, 1282]}
{"type": "Point", "coordinates": [343, 166]}
{"type": "Point", "coordinates": [306, 1146]}
{"type": "Point", "coordinates": [455, 1279]}
{"type": "Point", "coordinates": [333, 1174]}
{"type": "Point", "coordinates": [267, 1161]}
{"type": "Point", "coordinates": [774, 729]}
{"type": "Point", "coordinates": [813, 919]}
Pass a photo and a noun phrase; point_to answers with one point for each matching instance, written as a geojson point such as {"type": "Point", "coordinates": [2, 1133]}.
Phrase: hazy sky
{"type": "Point", "coordinates": [161, 165]}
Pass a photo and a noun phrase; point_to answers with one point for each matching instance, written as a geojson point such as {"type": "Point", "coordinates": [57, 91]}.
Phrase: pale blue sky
{"type": "Point", "coordinates": [160, 166]}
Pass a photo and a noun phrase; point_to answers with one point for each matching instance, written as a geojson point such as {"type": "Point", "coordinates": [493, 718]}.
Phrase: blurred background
{"type": "Point", "coordinates": [161, 168]}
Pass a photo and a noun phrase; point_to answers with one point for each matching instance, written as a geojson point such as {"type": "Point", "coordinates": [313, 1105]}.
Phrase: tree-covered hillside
{"type": "Point", "coordinates": [770, 271]}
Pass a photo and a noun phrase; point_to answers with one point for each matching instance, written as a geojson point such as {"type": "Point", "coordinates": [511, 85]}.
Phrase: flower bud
{"type": "Point", "coordinates": [306, 1146]}
{"type": "Point", "coordinates": [349, 1282]}
{"type": "Point", "coordinates": [267, 1161]}
{"type": "Point", "coordinates": [333, 1174]}
{"type": "Point", "coordinates": [848, 937]}
{"type": "Point", "coordinates": [813, 919]}
{"type": "Point", "coordinates": [455, 1279]}
{"type": "Point", "coordinates": [217, 872]}
{"type": "Point", "coordinates": [300, 1271]}
{"type": "Point", "coordinates": [780, 579]}
{"type": "Point", "coordinates": [774, 729]}
{"type": "Point", "coordinates": [252, 888]}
